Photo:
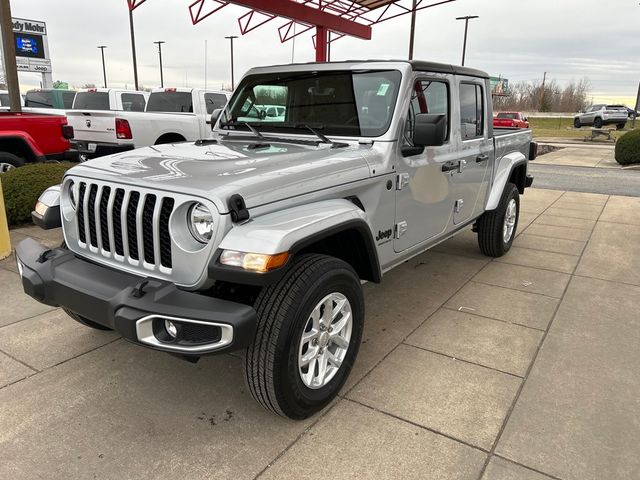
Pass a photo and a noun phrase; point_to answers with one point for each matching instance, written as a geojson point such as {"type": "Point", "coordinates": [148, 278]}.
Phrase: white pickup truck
{"type": "Point", "coordinates": [171, 115]}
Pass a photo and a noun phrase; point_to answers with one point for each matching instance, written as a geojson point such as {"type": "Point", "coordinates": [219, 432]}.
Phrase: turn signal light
{"type": "Point", "coordinates": [257, 262]}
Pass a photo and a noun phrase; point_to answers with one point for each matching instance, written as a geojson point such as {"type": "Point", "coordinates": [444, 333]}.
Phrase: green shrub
{"type": "Point", "coordinates": [22, 187]}
{"type": "Point", "coordinates": [628, 148]}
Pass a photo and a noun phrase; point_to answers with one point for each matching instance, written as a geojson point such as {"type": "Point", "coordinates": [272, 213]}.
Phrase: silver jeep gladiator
{"type": "Point", "coordinates": [260, 237]}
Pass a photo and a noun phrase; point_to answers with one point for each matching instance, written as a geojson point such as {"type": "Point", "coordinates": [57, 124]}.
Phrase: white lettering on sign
{"type": "Point", "coordinates": [29, 26]}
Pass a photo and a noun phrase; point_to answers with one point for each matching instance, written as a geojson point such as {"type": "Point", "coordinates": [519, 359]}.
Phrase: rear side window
{"type": "Point", "coordinates": [67, 99]}
{"type": "Point", "coordinates": [213, 101]}
{"type": "Point", "coordinates": [133, 102]}
{"type": "Point", "coordinates": [4, 100]}
{"type": "Point", "coordinates": [39, 99]}
{"type": "Point", "coordinates": [91, 101]}
{"type": "Point", "coordinates": [170, 101]}
{"type": "Point", "coordinates": [471, 111]}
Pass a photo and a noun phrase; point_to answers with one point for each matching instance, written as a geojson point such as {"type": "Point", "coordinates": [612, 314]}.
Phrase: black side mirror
{"type": "Point", "coordinates": [214, 117]}
{"type": "Point", "coordinates": [430, 130]}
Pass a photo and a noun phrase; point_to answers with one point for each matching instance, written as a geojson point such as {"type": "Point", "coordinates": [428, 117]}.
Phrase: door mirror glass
{"type": "Point", "coordinates": [214, 117]}
{"type": "Point", "coordinates": [430, 130]}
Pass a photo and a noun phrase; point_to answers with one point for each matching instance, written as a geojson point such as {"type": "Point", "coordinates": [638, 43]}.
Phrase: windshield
{"type": "Point", "coordinates": [170, 101]}
{"type": "Point", "coordinates": [39, 99]}
{"type": "Point", "coordinates": [513, 116]}
{"type": "Point", "coordinates": [91, 101]}
{"type": "Point", "coordinates": [348, 103]}
{"type": "Point", "coordinates": [616, 107]}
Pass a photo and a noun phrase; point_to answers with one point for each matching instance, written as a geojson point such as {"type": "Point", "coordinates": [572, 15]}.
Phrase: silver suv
{"type": "Point", "coordinates": [600, 115]}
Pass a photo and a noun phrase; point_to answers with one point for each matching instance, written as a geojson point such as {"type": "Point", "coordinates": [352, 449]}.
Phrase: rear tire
{"type": "Point", "coordinates": [576, 123]}
{"type": "Point", "coordinates": [620, 126]}
{"type": "Point", "coordinates": [9, 161]}
{"type": "Point", "coordinates": [293, 328]}
{"type": "Point", "coordinates": [497, 228]}
{"type": "Point", "coordinates": [597, 123]}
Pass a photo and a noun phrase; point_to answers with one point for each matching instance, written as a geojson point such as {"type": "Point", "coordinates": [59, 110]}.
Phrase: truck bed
{"type": "Point", "coordinates": [508, 140]}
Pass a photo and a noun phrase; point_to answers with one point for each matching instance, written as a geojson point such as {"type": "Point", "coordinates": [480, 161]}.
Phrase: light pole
{"type": "Point", "coordinates": [133, 49]}
{"type": "Point", "coordinates": [159, 43]}
{"type": "Point", "coordinates": [104, 68]}
{"type": "Point", "coordinates": [231, 38]}
{"type": "Point", "coordinates": [412, 32]}
{"type": "Point", "coordinates": [466, 28]}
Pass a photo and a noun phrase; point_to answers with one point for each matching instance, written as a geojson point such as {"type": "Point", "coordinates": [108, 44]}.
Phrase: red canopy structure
{"type": "Point", "coordinates": [342, 17]}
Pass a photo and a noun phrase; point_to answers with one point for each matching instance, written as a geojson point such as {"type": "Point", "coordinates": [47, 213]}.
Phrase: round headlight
{"type": "Point", "coordinates": [200, 223]}
{"type": "Point", "coordinates": [72, 194]}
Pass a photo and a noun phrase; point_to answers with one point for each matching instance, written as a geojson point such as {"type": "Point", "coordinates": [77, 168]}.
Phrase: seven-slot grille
{"type": "Point", "coordinates": [128, 225]}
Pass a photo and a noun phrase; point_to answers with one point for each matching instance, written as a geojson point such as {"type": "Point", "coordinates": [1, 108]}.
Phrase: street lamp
{"type": "Point", "coordinates": [466, 28]}
{"type": "Point", "coordinates": [104, 68]}
{"type": "Point", "coordinates": [159, 43]}
{"type": "Point", "coordinates": [231, 38]}
{"type": "Point", "coordinates": [133, 47]}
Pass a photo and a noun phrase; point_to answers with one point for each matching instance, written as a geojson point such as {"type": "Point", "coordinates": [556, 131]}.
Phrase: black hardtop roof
{"type": "Point", "coordinates": [417, 65]}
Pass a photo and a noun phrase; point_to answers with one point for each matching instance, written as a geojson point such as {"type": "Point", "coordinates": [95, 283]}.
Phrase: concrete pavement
{"type": "Point", "coordinates": [523, 367]}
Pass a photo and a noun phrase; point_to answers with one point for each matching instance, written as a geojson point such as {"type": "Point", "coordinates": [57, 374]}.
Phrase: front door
{"type": "Point", "coordinates": [471, 181]}
{"type": "Point", "coordinates": [424, 191]}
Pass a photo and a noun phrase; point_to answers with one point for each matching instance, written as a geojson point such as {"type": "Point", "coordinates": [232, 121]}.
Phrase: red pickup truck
{"type": "Point", "coordinates": [510, 120]}
{"type": "Point", "coordinates": [33, 137]}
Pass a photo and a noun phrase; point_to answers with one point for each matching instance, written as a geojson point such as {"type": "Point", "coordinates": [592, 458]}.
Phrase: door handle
{"type": "Point", "coordinates": [482, 158]}
{"type": "Point", "coordinates": [449, 167]}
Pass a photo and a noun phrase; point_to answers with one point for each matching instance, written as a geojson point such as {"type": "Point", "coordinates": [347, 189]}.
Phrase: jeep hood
{"type": "Point", "coordinates": [216, 171]}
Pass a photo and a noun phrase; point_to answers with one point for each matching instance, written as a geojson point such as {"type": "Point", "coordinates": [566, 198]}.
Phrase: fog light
{"type": "Point", "coordinates": [171, 328]}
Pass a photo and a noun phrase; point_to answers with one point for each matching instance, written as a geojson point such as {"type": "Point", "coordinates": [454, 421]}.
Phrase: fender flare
{"type": "Point", "coordinates": [28, 141]}
{"type": "Point", "coordinates": [504, 167]}
{"type": "Point", "coordinates": [291, 230]}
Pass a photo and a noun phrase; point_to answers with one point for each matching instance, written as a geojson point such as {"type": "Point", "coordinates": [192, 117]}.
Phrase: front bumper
{"type": "Point", "coordinates": [86, 150]}
{"type": "Point", "coordinates": [134, 306]}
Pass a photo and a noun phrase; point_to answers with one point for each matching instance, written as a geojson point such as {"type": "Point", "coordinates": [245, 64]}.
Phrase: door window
{"type": "Point", "coordinates": [471, 111]}
{"type": "Point", "coordinates": [428, 96]}
{"type": "Point", "coordinates": [133, 102]}
{"type": "Point", "coordinates": [213, 101]}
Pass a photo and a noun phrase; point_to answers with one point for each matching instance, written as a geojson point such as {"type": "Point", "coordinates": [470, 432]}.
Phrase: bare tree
{"type": "Point", "coordinates": [530, 96]}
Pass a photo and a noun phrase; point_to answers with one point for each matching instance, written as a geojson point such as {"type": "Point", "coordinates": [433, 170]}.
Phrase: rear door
{"type": "Point", "coordinates": [471, 179]}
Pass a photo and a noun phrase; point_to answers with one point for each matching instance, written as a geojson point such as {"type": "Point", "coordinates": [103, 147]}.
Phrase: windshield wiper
{"type": "Point", "coordinates": [323, 138]}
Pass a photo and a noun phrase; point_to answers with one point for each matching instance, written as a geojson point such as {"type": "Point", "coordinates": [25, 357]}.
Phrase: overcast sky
{"type": "Point", "coordinates": [518, 39]}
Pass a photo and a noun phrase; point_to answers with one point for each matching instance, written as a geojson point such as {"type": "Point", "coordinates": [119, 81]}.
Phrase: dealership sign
{"type": "Point", "coordinates": [32, 48]}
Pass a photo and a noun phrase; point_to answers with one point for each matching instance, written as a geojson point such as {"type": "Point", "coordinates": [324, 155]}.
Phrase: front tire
{"type": "Point", "coordinates": [620, 126]}
{"type": "Point", "coordinates": [9, 161]}
{"type": "Point", "coordinates": [309, 330]}
{"type": "Point", "coordinates": [597, 123]}
{"type": "Point", "coordinates": [497, 228]}
{"type": "Point", "coordinates": [85, 321]}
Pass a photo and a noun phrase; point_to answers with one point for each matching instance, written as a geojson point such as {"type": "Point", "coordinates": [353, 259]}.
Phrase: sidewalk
{"type": "Point", "coordinates": [523, 367]}
{"type": "Point", "coordinates": [573, 155]}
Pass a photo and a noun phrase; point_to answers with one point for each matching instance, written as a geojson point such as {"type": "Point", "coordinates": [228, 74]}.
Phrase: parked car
{"type": "Point", "coordinates": [259, 238]}
{"type": "Point", "coordinates": [600, 115]}
{"type": "Point", "coordinates": [32, 137]}
{"type": "Point", "coordinates": [510, 120]}
{"type": "Point", "coordinates": [51, 101]}
{"type": "Point", "coordinates": [632, 113]}
{"type": "Point", "coordinates": [110, 99]}
{"type": "Point", "coordinates": [171, 115]}
{"type": "Point", "coordinates": [5, 104]}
